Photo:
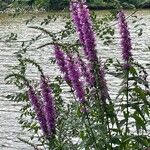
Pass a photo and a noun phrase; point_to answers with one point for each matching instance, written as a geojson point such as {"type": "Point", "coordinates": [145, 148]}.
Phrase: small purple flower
{"type": "Point", "coordinates": [74, 76]}
{"type": "Point", "coordinates": [38, 107]}
{"type": "Point", "coordinates": [60, 59]}
{"type": "Point", "coordinates": [49, 108]}
{"type": "Point", "coordinates": [125, 37]}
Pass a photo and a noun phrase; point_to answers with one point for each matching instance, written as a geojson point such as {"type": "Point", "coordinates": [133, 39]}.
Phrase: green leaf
{"type": "Point", "coordinates": [115, 140]}
{"type": "Point", "coordinates": [142, 140]}
{"type": "Point", "coordinates": [122, 122]}
{"type": "Point", "coordinates": [136, 107]}
{"type": "Point", "coordinates": [82, 135]}
{"type": "Point", "coordinates": [133, 71]}
{"type": "Point", "coordinates": [139, 122]}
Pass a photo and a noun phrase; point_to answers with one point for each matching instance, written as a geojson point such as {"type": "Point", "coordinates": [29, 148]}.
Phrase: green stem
{"type": "Point", "coordinates": [100, 101]}
{"type": "Point", "coordinates": [127, 96]}
{"type": "Point", "coordinates": [98, 91]}
{"type": "Point", "coordinates": [127, 102]}
{"type": "Point", "coordinates": [109, 131]}
{"type": "Point", "coordinates": [92, 133]}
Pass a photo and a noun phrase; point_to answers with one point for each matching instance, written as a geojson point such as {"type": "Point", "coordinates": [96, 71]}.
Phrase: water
{"type": "Point", "coordinates": [9, 111]}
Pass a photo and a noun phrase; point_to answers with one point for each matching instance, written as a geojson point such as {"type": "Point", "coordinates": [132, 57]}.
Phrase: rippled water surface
{"type": "Point", "coordinates": [9, 111]}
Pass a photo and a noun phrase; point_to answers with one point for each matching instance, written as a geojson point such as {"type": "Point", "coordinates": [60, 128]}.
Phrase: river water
{"type": "Point", "coordinates": [9, 111]}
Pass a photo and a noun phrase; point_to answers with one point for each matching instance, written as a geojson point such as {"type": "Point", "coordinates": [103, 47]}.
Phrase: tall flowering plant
{"type": "Point", "coordinates": [86, 116]}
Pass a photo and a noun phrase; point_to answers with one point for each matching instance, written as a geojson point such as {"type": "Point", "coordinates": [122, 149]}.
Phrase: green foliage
{"type": "Point", "coordinates": [4, 4]}
{"type": "Point", "coordinates": [137, 3]}
{"type": "Point", "coordinates": [52, 4]}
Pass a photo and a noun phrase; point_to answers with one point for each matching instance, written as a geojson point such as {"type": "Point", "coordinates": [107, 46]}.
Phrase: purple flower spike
{"type": "Point", "coordinates": [49, 108]}
{"type": "Point", "coordinates": [38, 110]}
{"type": "Point", "coordinates": [74, 76]}
{"type": "Point", "coordinates": [75, 8]}
{"type": "Point", "coordinates": [82, 20]}
{"type": "Point", "coordinates": [125, 37]}
{"type": "Point", "coordinates": [88, 33]}
{"type": "Point", "coordinates": [60, 59]}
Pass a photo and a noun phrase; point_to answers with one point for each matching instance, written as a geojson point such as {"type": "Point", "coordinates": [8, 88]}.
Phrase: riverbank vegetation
{"type": "Point", "coordinates": [74, 108]}
{"type": "Point", "coordinates": [63, 4]}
